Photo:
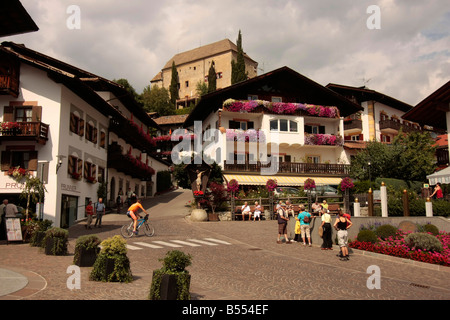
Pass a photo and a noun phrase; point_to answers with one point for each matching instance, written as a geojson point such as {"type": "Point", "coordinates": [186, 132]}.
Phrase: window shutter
{"type": "Point", "coordinates": [8, 114]}
{"type": "Point", "coordinates": [79, 166]}
{"type": "Point", "coordinates": [81, 128]}
{"type": "Point", "coordinates": [33, 162]}
{"type": "Point", "coordinates": [102, 139]}
{"type": "Point", "coordinates": [71, 164]}
{"type": "Point", "coordinates": [86, 170]}
{"type": "Point", "coordinates": [36, 114]}
{"type": "Point", "coordinates": [95, 136]}
{"type": "Point", "coordinates": [94, 171]}
{"type": "Point", "coordinates": [73, 123]}
{"type": "Point", "coordinates": [6, 160]}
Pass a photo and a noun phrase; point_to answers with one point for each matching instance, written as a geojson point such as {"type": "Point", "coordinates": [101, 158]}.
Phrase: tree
{"type": "Point", "coordinates": [157, 99]}
{"type": "Point", "coordinates": [410, 157]}
{"type": "Point", "coordinates": [173, 88]}
{"type": "Point", "coordinates": [212, 78]}
{"type": "Point", "coordinates": [124, 83]}
{"type": "Point", "coordinates": [238, 72]}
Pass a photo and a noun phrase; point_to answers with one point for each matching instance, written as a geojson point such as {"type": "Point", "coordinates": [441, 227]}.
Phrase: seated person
{"type": "Point", "coordinates": [245, 209]}
{"type": "Point", "coordinates": [257, 212]}
{"type": "Point", "coordinates": [316, 208]}
{"type": "Point", "coordinates": [289, 208]}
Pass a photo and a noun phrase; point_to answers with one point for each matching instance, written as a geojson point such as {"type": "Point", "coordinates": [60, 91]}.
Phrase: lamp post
{"type": "Point", "coordinates": [370, 178]}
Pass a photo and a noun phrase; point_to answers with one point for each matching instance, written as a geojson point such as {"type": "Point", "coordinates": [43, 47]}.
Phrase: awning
{"type": "Point", "coordinates": [442, 176]}
{"type": "Point", "coordinates": [245, 179]}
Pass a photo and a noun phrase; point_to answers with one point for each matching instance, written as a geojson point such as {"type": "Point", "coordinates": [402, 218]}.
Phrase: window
{"type": "Point", "coordinates": [252, 97]}
{"type": "Point", "coordinates": [283, 125]}
{"type": "Point", "coordinates": [19, 158]}
{"type": "Point", "coordinates": [23, 114]}
{"type": "Point", "coordinates": [186, 84]}
{"type": "Point", "coordinates": [313, 159]}
{"type": "Point", "coordinates": [91, 133]}
{"type": "Point", "coordinates": [315, 129]}
{"type": "Point", "coordinates": [219, 75]}
{"type": "Point", "coordinates": [90, 171]}
{"type": "Point", "coordinates": [102, 139]}
{"type": "Point", "coordinates": [76, 124]}
{"type": "Point", "coordinates": [273, 125]}
{"type": "Point", "coordinates": [277, 99]}
{"type": "Point", "coordinates": [243, 125]}
{"type": "Point", "coordinates": [101, 174]}
{"type": "Point", "coordinates": [74, 166]}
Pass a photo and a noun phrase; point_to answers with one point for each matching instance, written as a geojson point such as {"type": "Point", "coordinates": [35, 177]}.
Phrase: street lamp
{"type": "Point", "coordinates": [370, 179]}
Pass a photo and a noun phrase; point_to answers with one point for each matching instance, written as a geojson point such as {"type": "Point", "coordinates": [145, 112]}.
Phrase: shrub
{"type": "Point", "coordinates": [367, 236]}
{"type": "Point", "coordinates": [428, 228]}
{"type": "Point", "coordinates": [86, 242]}
{"type": "Point", "coordinates": [423, 241]}
{"type": "Point", "coordinates": [112, 263]}
{"type": "Point", "coordinates": [174, 263]}
{"type": "Point", "coordinates": [385, 231]}
{"type": "Point", "coordinates": [56, 241]}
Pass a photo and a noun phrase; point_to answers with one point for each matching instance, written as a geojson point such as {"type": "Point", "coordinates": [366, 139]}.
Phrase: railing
{"type": "Point", "coordinates": [395, 125]}
{"type": "Point", "coordinates": [128, 164]}
{"type": "Point", "coordinates": [353, 124]}
{"type": "Point", "coordinates": [291, 167]}
{"type": "Point", "coordinates": [9, 83]}
{"type": "Point", "coordinates": [35, 130]}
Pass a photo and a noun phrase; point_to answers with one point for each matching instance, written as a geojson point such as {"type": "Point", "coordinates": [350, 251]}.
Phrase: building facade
{"type": "Point", "coordinates": [193, 67]}
{"type": "Point", "coordinates": [76, 131]}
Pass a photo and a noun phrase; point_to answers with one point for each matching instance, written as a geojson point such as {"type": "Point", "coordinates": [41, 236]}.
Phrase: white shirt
{"type": "Point", "coordinates": [245, 208]}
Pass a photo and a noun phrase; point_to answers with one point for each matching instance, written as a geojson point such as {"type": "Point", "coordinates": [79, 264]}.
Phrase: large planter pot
{"type": "Point", "coordinates": [199, 215]}
{"type": "Point", "coordinates": [86, 257]}
{"type": "Point", "coordinates": [169, 286]}
{"type": "Point", "coordinates": [213, 217]}
{"type": "Point", "coordinates": [55, 246]}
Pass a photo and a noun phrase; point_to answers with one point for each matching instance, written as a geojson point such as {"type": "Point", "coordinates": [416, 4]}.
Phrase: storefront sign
{"type": "Point", "coordinates": [68, 187]}
{"type": "Point", "coordinates": [13, 230]}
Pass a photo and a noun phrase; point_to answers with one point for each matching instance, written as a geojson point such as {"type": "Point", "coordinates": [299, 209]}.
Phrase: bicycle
{"type": "Point", "coordinates": [127, 230]}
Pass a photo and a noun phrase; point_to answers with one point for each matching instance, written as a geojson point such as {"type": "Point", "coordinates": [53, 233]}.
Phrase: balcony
{"type": "Point", "coordinates": [352, 126]}
{"type": "Point", "coordinates": [393, 127]}
{"type": "Point", "coordinates": [295, 168]}
{"type": "Point", "coordinates": [9, 85]}
{"type": "Point", "coordinates": [128, 164]}
{"type": "Point", "coordinates": [24, 131]}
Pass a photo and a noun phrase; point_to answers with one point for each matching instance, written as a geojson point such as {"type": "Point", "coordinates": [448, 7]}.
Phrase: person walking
{"type": "Point", "coordinates": [99, 211]}
{"type": "Point", "coordinates": [89, 214]}
{"type": "Point", "coordinates": [305, 218]}
{"type": "Point", "coordinates": [342, 224]}
{"type": "Point", "coordinates": [326, 235]}
{"type": "Point", "coordinates": [283, 219]}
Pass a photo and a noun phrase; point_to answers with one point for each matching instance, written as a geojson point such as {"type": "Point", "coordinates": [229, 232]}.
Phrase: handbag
{"type": "Point", "coordinates": [320, 231]}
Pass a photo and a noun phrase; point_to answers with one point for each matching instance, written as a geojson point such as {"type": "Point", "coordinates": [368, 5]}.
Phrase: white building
{"type": "Point", "coordinates": [75, 130]}
{"type": "Point", "coordinates": [301, 121]}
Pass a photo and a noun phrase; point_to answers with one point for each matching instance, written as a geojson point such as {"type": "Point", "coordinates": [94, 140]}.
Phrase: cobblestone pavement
{"type": "Point", "coordinates": [241, 262]}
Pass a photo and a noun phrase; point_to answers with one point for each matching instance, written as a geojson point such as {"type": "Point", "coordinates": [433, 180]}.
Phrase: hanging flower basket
{"type": "Point", "coordinates": [271, 184]}
{"type": "Point", "coordinates": [309, 184]}
{"type": "Point", "coordinates": [346, 184]}
{"type": "Point", "coordinates": [233, 186]}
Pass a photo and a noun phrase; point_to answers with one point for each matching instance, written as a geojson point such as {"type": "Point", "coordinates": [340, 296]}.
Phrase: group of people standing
{"type": "Point", "coordinates": [303, 226]}
{"type": "Point", "coordinates": [99, 209]}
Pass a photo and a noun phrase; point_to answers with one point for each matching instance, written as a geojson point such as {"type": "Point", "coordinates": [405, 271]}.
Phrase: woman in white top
{"type": "Point", "coordinates": [257, 212]}
{"type": "Point", "coordinates": [326, 236]}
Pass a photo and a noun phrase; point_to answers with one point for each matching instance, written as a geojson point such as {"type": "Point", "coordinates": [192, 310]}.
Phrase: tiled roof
{"type": "Point", "coordinates": [175, 119]}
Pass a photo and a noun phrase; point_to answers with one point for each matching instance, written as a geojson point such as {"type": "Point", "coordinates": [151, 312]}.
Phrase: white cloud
{"type": "Point", "coordinates": [328, 41]}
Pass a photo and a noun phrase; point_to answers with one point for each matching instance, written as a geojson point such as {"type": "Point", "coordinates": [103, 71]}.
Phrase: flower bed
{"type": "Point", "coordinates": [397, 246]}
{"type": "Point", "coordinates": [281, 108]}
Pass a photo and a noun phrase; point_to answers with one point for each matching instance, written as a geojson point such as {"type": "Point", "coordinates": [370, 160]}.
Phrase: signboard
{"type": "Point", "coordinates": [13, 230]}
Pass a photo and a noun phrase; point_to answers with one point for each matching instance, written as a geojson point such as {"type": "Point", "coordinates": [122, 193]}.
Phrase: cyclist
{"type": "Point", "coordinates": [132, 213]}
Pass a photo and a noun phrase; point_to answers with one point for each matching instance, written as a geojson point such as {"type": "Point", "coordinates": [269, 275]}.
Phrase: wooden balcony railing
{"type": "Point", "coordinates": [9, 85]}
{"type": "Point", "coordinates": [395, 125]}
{"type": "Point", "coordinates": [26, 131]}
{"type": "Point", "coordinates": [291, 168]}
{"type": "Point", "coordinates": [128, 164]}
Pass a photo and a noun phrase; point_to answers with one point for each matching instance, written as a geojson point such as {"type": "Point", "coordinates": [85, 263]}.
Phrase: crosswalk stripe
{"type": "Point", "coordinates": [218, 241]}
{"type": "Point", "coordinates": [203, 242]}
{"type": "Point", "coordinates": [167, 244]}
{"type": "Point", "coordinates": [133, 247]}
{"type": "Point", "coordinates": [186, 243]}
{"type": "Point", "coordinates": [145, 244]}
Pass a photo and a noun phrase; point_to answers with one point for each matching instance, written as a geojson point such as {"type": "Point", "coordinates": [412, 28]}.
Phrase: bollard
{"type": "Point", "coordinates": [405, 203]}
{"type": "Point", "coordinates": [356, 208]}
{"type": "Point", "coordinates": [428, 208]}
{"type": "Point", "coordinates": [370, 203]}
{"type": "Point", "coordinates": [384, 206]}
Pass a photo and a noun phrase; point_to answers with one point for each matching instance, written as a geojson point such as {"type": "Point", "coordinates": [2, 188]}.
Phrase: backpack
{"type": "Point", "coordinates": [306, 219]}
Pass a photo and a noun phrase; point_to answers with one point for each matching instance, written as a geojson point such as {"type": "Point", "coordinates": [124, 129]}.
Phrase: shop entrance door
{"type": "Point", "coordinates": [69, 210]}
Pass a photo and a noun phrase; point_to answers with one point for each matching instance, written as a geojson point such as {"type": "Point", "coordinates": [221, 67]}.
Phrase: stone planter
{"type": "Point", "coordinates": [198, 215]}
{"type": "Point", "coordinates": [55, 247]}
{"type": "Point", "coordinates": [86, 257]}
{"type": "Point", "coordinates": [168, 287]}
{"type": "Point", "coordinates": [213, 217]}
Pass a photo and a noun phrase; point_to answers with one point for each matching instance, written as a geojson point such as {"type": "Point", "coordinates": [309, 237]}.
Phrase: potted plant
{"type": "Point", "coordinates": [86, 250]}
{"type": "Point", "coordinates": [56, 241]}
{"type": "Point", "coordinates": [38, 232]}
{"type": "Point", "coordinates": [172, 281]}
{"type": "Point", "coordinates": [112, 263]}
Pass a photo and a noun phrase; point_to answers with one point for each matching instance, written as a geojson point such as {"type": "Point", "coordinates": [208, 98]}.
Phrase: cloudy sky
{"type": "Point", "coordinates": [326, 40]}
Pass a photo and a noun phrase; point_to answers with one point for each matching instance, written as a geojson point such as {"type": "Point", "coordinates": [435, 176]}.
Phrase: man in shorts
{"type": "Point", "coordinates": [132, 213]}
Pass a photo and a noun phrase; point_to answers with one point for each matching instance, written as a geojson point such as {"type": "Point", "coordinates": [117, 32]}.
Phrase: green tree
{"type": "Point", "coordinates": [238, 72]}
{"type": "Point", "coordinates": [157, 99]}
{"type": "Point", "coordinates": [416, 155]}
{"type": "Point", "coordinates": [124, 83]}
{"type": "Point", "coordinates": [201, 88]}
{"type": "Point", "coordinates": [173, 88]}
{"type": "Point", "coordinates": [212, 78]}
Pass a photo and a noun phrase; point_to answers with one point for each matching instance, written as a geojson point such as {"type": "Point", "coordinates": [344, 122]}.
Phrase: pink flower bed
{"type": "Point", "coordinates": [396, 246]}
